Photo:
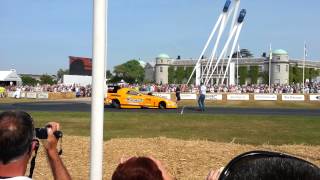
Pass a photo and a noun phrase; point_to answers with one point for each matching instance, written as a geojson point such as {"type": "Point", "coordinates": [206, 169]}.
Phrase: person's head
{"type": "Point", "coordinates": [16, 136]}
{"type": "Point", "coordinates": [269, 165]}
{"type": "Point", "coordinates": [138, 168]}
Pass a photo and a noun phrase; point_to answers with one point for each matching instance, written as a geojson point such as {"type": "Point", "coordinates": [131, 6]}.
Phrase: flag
{"type": "Point", "coordinates": [305, 50]}
{"type": "Point", "coordinates": [270, 51]}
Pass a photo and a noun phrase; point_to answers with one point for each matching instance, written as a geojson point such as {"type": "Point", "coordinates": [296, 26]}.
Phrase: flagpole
{"type": "Point", "coordinates": [270, 58]}
{"type": "Point", "coordinates": [304, 65]}
{"type": "Point", "coordinates": [238, 64]}
{"type": "Point", "coordinates": [99, 55]}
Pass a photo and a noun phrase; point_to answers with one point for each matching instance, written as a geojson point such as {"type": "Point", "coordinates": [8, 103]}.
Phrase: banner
{"type": "Point", "coordinates": [315, 97]}
{"type": "Point", "coordinates": [32, 95]}
{"type": "Point", "coordinates": [11, 94]}
{"type": "Point", "coordinates": [265, 97]}
{"type": "Point", "coordinates": [23, 94]}
{"type": "Point", "coordinates": [188, 96]}
{"type": "Point", "coordinates": [43, 95]}
{"type": "Point", "coordinates": [289, 97]}
{"type": "Point", "coordinates": [215, 97]}
{"type": "Point", "coordinates": [163, 95]}
{"type": "Point", "coordinates": [238, 97]}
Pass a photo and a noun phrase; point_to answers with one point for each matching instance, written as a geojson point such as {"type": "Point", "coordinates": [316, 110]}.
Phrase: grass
{"type": "Point", "coordinates": [243, 129]}
{"type": "Point", "coordinates": [255, 104]}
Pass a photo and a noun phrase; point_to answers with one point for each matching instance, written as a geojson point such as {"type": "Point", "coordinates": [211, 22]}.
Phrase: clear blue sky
{"type": "Point", "coordinates": [37, 36]}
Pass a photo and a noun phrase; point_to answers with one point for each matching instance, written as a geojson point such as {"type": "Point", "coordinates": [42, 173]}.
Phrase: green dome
{"type": "Point", "coordinates": [280, 52]}
{"type": "Point", "coordinates": [163, 56]}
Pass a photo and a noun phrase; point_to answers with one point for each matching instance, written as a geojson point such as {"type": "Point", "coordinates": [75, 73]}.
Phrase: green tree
{"type": "Point", "coordinates": [254, 74]}
{"type": "Point", "coordinates": [62, 72]}
{"type": "Point", "coordinates": [297, 74]}
{"type": "Point", "coordinates": [46, 79]}
{"type": "Point", "coordinates": [28, 80]}
{"type": "Point", "coordinates": [109, 74]}
{"type": "Point", "coordinates": [171, 75]}
{"type": "Point", "coordinates": [265, 77]}
{"type": "Point", "coordinates": [180, 75]}
{"type": "Point", "coordinates": [244, 53]}
{"type": "Point", "coordinates": [243, 73]}
{"type": "Point", "coordinates": [291, 75]}
{"type": "Point", "coordinates": [131, 72]}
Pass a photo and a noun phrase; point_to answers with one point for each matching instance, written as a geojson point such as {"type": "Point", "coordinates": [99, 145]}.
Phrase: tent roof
{"type": "Point", "coordinates": [9, 76]}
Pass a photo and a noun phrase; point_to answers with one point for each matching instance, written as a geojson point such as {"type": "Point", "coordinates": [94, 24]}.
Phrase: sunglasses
{"type": "Point", "coordinates": [255, 155]}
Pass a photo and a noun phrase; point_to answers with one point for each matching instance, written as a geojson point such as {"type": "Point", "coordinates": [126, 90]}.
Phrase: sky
{"type": "Point", "coordinates": [38, 36]}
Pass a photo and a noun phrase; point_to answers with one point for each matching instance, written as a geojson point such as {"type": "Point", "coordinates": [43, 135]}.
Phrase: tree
{"type": "Point", "coordinates": [62, 72]}
{"type": "Point", "coordinates": [131, 72]}
{"type": "Point", "coordinates": [265, 77]}
{"type": "Point", "coordinates": [254, 74]}
{"type": "Point", "coordinates": [243, 73]}
{"type": "Point", "coordinates": [296, 74]}
{"type": "Point", "coordinates": [244, 53]}
{"type": "Point", "coordinates": [28, 80]}
{"type": "Point", "coordinates": [181, 75]}
{"type": "Point", "coordinates": [171, 75]}
{"type": "Point", "coordinates": [109, 75]}
{"type": "Point", "coordinates": [46, 79]}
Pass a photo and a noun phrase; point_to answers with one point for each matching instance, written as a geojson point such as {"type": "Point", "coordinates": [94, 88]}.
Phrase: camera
{"type": "Point", "coordinates": [42, 133]}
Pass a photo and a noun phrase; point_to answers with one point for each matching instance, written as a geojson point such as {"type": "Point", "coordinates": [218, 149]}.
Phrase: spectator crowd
{"type": "Point", "coordinates": [80, 91]}
{"type": "Point", "coordinates": [85, 91]}
{"type": "Point", "coordinates": [308, 88]}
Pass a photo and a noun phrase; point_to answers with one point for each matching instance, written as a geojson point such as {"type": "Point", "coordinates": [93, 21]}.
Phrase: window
{"type": "Point", "coordinates": [135, 93]}
{"type": "Point", "coordinates": [261, 68]}
{"type": "Point", "coordinates": [287, 68]}
{"type": "Point", "coordinates": [277, 68]}
{"type": "Point", "coordinates": [161, 69]}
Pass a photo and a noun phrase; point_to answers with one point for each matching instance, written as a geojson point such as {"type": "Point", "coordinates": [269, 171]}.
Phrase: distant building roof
{"type": "Point", "coordinates": [163, 56]}
{"type": "Point", "coordinates": [9, 76]}
{"type": "Point", "coordinates": [280, 52]}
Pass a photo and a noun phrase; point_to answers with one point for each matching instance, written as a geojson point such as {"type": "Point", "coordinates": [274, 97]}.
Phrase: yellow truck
{"type": "Point", "coordinates": [130, 98]}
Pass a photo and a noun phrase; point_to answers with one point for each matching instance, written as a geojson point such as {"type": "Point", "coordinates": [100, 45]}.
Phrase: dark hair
{"type": "Point", "coordinates": [275, 168]}
{"type": "Point", "coordinates": [138, 168]}
{"type": "Point", "coordinates": [16, 135]}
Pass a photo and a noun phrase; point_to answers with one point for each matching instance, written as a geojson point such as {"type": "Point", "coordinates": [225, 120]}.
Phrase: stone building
{"type": "Point", "coordinates": [158, 71]}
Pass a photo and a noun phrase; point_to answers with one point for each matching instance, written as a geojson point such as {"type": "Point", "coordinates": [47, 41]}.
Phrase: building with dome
{"type": "Point", "coordinates": [243, 71]}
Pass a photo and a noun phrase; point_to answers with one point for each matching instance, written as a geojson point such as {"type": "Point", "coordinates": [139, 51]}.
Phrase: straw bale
{"type": "Point", "coordinates": [183, 159]}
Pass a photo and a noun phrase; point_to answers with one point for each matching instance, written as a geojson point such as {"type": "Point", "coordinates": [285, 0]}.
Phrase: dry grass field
{"type": "Point", "coordinates": [183, 159]}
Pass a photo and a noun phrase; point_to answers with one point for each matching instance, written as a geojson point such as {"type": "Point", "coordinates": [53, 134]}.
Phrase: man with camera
{"type": "Point", "coordinates": [18, 143]}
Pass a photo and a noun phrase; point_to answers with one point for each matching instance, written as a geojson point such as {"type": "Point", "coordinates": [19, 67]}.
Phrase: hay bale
{"type": "Point", "coordinates": [183, 159]}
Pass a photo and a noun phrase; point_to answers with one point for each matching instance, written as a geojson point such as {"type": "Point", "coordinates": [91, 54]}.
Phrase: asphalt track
{"type": "Point", "coordinates": [86, 107]}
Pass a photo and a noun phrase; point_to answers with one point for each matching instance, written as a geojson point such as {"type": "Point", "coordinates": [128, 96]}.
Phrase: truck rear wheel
{"type": "Point", "coordinates": [116, 104]}
{"type": "Point", "coordinates": [162, 105]}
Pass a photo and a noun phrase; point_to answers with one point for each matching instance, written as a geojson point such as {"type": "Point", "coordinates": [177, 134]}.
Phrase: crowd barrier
{"type": "Point", "coordinates": [245, 97]}
{"type": "Point", "coordinates": [42, 95]}
{"type": "Point", "coordinates": [187, 96]}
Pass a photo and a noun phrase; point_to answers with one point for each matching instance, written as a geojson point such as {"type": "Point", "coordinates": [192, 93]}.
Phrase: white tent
{"type": "Point", "coordinates": [10, 76]}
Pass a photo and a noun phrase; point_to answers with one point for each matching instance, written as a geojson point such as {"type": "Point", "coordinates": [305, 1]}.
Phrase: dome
{"type": "Point", "coordinates": [280, 52]}
{"type": "Point", "coordinates": [163, 56]}
{"type": "Point", "coordinates": [142, 63]}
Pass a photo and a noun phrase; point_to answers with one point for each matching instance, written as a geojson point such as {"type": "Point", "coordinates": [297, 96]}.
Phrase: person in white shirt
{"type": "Point", "coordinates": [202, 97]}
{"type": "Point", "coordinates": [18, 144]}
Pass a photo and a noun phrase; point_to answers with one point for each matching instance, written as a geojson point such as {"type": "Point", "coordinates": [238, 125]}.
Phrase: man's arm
{"type": "Point", "coordinates": [58, 169]}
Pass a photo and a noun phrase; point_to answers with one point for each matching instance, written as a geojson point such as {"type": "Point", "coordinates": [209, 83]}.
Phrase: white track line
{"type": "Point", "coordinates": [182, 110]}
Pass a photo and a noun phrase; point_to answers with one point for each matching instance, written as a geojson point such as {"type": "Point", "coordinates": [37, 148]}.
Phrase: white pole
{"type": "Point", "coordinates": [238, 64]}
{"type": "Point", "coordinates": [304, 65]}
{"type": "Point", "coordinates": [98, 81]}
{"type": "Point", "coordinates": [222, 53]}
{"type": "Point", "coordinates": [270, 59]}
{"type": "Point", "coordinates": [206, 46]}
{"type": "Point", "coordinates": [232, 50]}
